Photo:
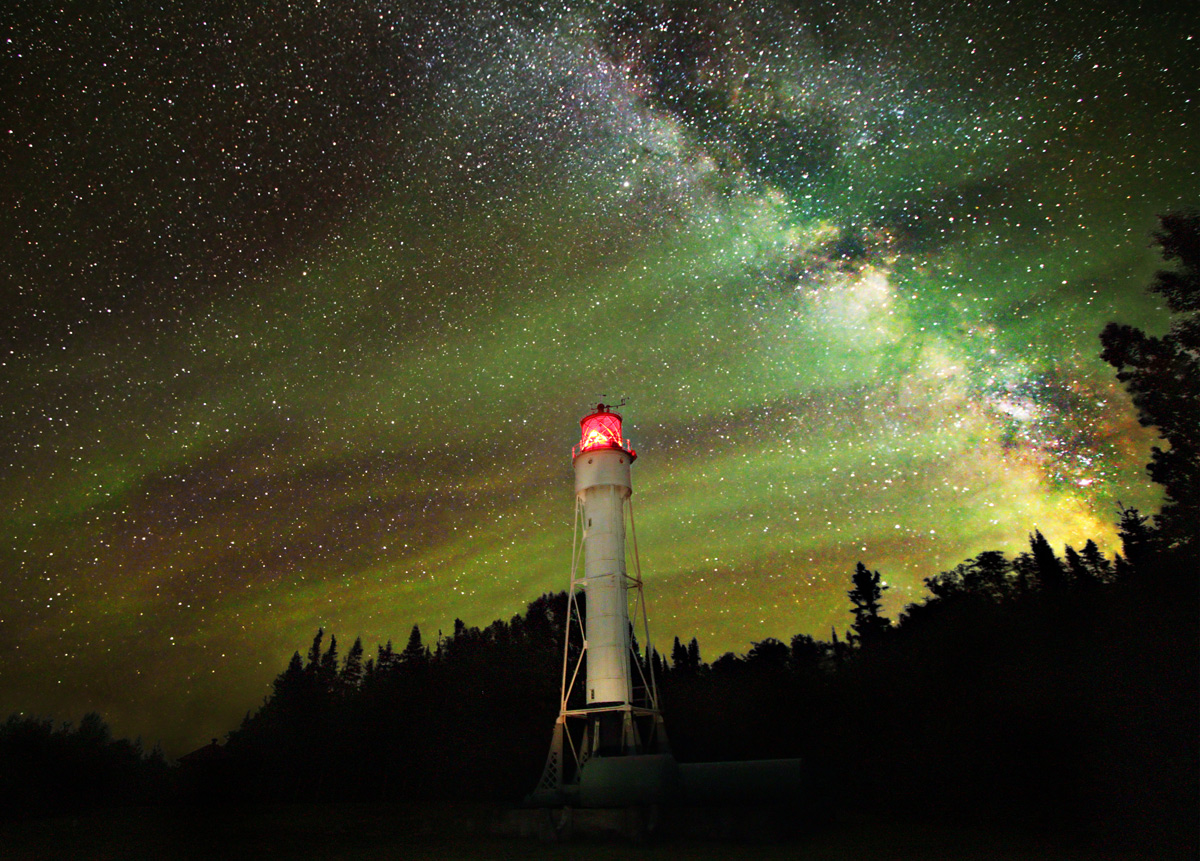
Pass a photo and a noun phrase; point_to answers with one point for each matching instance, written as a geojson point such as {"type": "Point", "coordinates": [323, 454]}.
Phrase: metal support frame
{"type": "Point", "coordinates": [572, 745]}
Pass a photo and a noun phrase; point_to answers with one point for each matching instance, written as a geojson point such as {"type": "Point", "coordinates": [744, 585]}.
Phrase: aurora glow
{"type": "Point", "coordinates": [306, 304]}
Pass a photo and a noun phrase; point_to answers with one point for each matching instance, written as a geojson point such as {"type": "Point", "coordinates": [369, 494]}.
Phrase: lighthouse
{"type": "Point", "coordinates": [609, 748]}
{"type": "Point", "coordinates": [609, 745]}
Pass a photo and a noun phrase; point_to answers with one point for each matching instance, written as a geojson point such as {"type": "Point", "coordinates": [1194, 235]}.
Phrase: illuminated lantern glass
{"type": "Point", "coordinates": [601, 430]}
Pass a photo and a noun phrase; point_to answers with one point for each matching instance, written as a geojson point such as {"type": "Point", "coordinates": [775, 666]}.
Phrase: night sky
{"type": "Point", "coordinates": [304, 302]}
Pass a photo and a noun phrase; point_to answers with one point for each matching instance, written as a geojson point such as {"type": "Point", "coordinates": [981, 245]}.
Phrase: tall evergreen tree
{"type": "Point", "coordinates": [1044, 564]}
{"type": "Point", "coordinates": [385, 661]}
{"type": "Point", "coordinates": [658, 664]}
{"type": "Point", "coordinates": [1096, 563]}
{"type": "Point", "coordinates": [1079, 570]}
{"type": "Point", "coordinates": [327, 674]}
{"type": "Point", "coordinates": [352, 670]}
{"type": "Point", "coordinates": [314, 653]}
{"type": "Point", "coordinates": [290, 684]}
{"type": "Point", "coordinates": [415, 654]}
{"type": "Point", "coordinates": [1137, 540]}
{"type": "Point", "coordinates": [869, 625]}
{"type": "Point", "coordinates": [679, 658]}
{"type": "Point", "coordinates": [1162, 374]}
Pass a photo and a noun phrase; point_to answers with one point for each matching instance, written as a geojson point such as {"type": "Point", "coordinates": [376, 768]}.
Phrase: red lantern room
{"type": "Point", "coordinates": [602, 429]}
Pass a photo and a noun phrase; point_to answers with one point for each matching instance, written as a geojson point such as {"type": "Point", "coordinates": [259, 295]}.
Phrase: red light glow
{"type": "Point", "coordinates": [602, 430]}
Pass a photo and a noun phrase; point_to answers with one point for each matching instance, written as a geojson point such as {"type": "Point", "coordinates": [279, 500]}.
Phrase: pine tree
{"type": "Point", "coordinates": [768, 654]}
{"type": "Point", "coordinates": [985, 576]}
{"type": "Point", "coordinates": [386, 659]}
{"type": "Point", "coordinates": [679, 657]}
{"type": "Point", "coordinates": [869, 626]}
{"type": "Point", "coordinates": [659, 665]}
{"type": "Point", "coordinates": [1078, 569]}
{"type": "Point", "coordinates": [314, 653]}
{"type": "Point", "coordinates": [1162, 375]}
{"type": "Point", "coordinates": [352, 670]}
{"type": "Point", "coordinates": [837, 647]}
{"type": "Point", "coordinates": [1137, 540]}
{"type": "Point", "coordinates": [1046, 566]}
{"type": "Point", "coordinates": [1096, 563]}
{"type": "Point", "coordinates": [415, 654]}
{"type": "Point", "coordinates": [327, 673]}
{"type": "Point", "coordinates": [290, 684]}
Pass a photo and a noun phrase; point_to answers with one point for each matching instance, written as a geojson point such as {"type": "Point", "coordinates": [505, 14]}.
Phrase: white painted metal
{"type": "Point", "coordinates": [602, 487]}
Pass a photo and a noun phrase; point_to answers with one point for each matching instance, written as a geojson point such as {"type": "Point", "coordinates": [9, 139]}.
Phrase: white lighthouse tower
{"type": "Point", "coordinates": [609, 744]}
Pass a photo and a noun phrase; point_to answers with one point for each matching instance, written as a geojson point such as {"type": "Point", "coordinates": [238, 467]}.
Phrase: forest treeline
{"type": "Point", "coordinates": [47, 768]}
{"type": "Point", "coordinates": [1041, 689]}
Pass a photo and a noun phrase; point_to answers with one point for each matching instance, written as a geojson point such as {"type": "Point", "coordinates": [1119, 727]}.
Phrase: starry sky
{"type": "Point", "coordinates": [305, 302]}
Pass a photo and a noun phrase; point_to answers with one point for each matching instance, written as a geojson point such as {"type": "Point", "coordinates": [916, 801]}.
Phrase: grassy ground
{"type": "Point", "coordinates": [379, 832]}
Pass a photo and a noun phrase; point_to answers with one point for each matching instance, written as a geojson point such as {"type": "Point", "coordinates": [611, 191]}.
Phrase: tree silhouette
{"type": "Point", "coordinates": [869, 626]}
{"type": "Point", "coordinates": [679, 659]}
{"type": "Point", "coordinates": [415, 654]}
{"type": "Point", "coordinates": [806, 654]}
{"type": "Point", "coordinates": [385, 659]}
{"type": "Point", "coordinates": [292, 682]}
{"type": "Point", "coordinates": [769, 654]}
{"type": "Point", "coordinates": [47, 770]}
{"type": "Point", "coordinates": [987, 576]}
{"type": "Point", "coordinates": [1096, 563]}
{"type": "Point", "coordinates": [685, 658]}
{"type": "Point", "coordinates": [352, 670]}
{"type": "Point", "coordinates": [1162, 375]}
{"type": "Point", "coordinates": [1138, 541]}
{"type": "Point", "coordinates": [327, 671]}
{"type": "Point", "coordinates": [1078, 569]}
{"type": "Point", "coordinates": [1041, 564]}
{"type": "Point", "coordinates": [314, 653]}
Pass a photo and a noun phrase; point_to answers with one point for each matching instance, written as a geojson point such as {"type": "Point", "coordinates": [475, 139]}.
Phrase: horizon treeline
{"type": "Point", "coordinates": [47, 769]}
{"type": "Point", "coordinates": [1034, 689]}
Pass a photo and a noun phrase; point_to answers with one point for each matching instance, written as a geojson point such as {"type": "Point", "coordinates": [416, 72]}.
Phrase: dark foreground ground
{"type": "Point", "coordinates": [379, 832]}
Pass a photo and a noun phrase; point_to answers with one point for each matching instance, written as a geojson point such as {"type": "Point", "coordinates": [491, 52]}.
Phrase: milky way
{"type": "Point", "coordinates": [305, 304]}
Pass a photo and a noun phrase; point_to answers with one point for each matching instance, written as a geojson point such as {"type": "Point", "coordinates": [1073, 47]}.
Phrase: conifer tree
{"type": "Point", "coordinates": [327, 674]}
{"type": "Point", "coordinates": [314, 653]}
{"type": "Point", "coordinates": [352, 670]}
{"type": "Point", "coordinates": [679, 658]}
{"type": "Point", "coordinates": [1095, 561]}
{"type": "Point", "coordinates": [386, 659]}
{"type": "Point", "coordinates": [1046, 566]}
{"type": "Point", "coordinates": [1078, 569]}
{"type": "Point", "coordinates": [1162, 374]}
{"type": "Point", "coordinates": [415, 654]}
{"type": "Point", "coordinates": [289, 684]}
{"type": "Point", "coordinates": [1137, 540]}
{"type": "Point", "coordinates": [869, 625]}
